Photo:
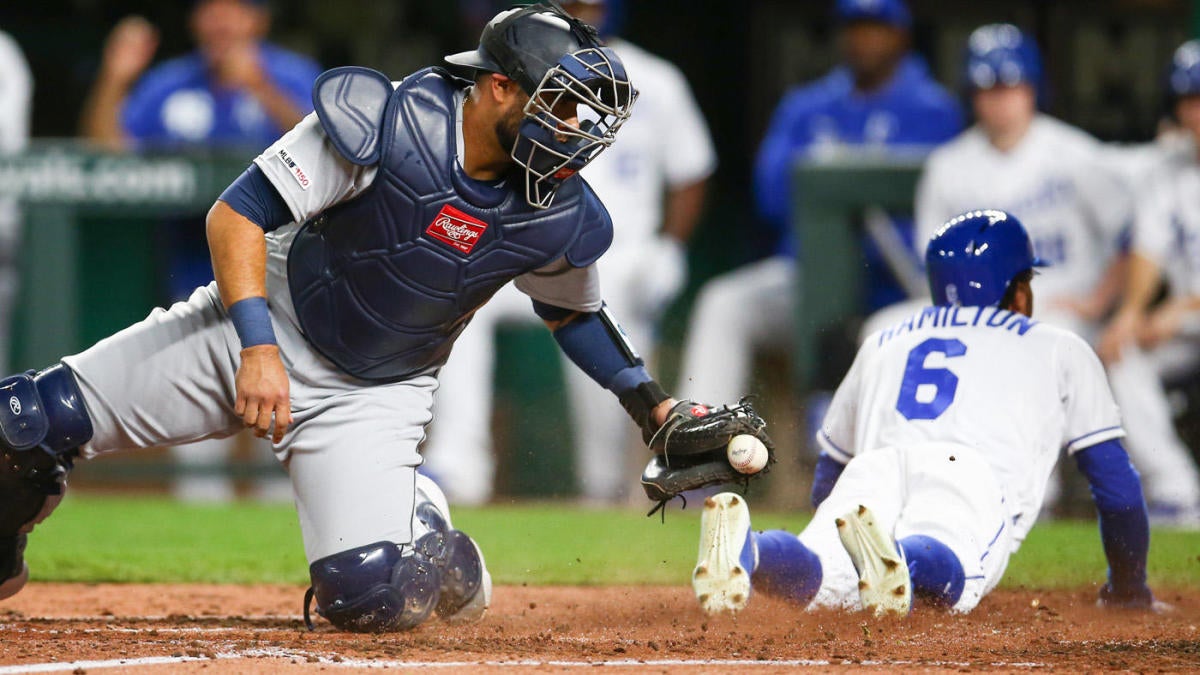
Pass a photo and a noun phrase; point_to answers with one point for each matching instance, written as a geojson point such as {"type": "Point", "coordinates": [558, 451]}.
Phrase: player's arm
{"type": "Point", "coordinates": [836, 437]}
{"type": "Point", "coordinates": [1124, 526]}
{"type": "Point", "coordinates": [595, 342]}
{"type": "Point", "coordinates": [236, 241]}
{"type": "Point", "coordinates": [1142, 277]}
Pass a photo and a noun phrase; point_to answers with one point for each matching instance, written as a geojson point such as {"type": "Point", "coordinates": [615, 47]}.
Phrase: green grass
{"type": "Point", "coordinates": [95, 539]}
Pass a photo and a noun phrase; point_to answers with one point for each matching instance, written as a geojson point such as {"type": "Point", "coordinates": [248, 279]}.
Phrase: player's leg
{"type": "Point", "coordinates": [734, 314]}
{"type": "Point", "coordinates": [166, 379]}
{"type": "Point", "coordinates": [382, 553]}
{"type": "Point", "coordinates": [954, 528]}
{"type": "Point", "coordinates": [871, 480]}
{"type": "Point", "coordinates": [732, 558]}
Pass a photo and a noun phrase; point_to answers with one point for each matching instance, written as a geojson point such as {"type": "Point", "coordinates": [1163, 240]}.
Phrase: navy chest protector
{"type": "Point", "coordinates": [384, 283]}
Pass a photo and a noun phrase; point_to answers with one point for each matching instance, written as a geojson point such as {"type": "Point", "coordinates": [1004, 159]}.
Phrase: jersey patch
{"type": "Point", "coordinates": [456, 228]}
{"type": "Point", "coordinates": [293, 168]}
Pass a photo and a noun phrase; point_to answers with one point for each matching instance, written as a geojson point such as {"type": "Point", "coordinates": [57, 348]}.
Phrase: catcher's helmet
{"type": "Point", "coordinates": [553, 55]}
{"type": "Point", "coordinates": [973, 257]}
{"type": "Point", "coordinates": [1000, 54]}
{"type": "Point", "coordinates": [1184, 78]}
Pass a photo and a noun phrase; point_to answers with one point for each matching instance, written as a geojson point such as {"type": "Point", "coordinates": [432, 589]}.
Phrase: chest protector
{"type": "Point", "coordinates": [385, 282]}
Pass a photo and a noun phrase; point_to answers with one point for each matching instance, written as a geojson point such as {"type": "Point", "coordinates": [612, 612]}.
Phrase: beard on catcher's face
{"type": "Point", "coordinates": [508, 126]}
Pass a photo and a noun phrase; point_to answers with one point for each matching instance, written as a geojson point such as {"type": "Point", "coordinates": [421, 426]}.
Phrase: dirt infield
{"type": "Point", "coordinates": [179, 628]}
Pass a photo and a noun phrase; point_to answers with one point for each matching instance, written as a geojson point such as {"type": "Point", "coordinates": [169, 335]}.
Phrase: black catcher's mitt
{"type": "Point", "coordinates": [690, 449]}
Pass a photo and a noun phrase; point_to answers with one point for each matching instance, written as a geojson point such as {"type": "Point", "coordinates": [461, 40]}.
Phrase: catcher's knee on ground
{"type": "Point", "coordinates": [380, 587]}
{"type": "Point", "coordinates": [42, 424]}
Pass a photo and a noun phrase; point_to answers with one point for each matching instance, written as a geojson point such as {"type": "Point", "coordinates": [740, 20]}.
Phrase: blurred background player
{"type": "Point", "coordinates": [234, 92]}
{"type": "Point", "coordinates": [1077, 210]}
{"type": "Point", "coordinates": [1164, 338]}
{"type": "Point", "coordinates": [653, 184]}
{"type": "Point", "coordinates": [16, 98]}
{"type": "Point", "coordinates": [881, 97]}
{"type": "Point", "coordinates": [936, 452]}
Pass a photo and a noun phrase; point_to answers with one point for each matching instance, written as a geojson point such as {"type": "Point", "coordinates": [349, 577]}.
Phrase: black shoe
{"type": "Point", "coordinates": [13, 571]}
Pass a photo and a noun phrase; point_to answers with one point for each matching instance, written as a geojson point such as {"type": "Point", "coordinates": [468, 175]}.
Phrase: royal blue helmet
{"type": "Point", "coordinates": [1184, 79]}
{"type": "Point", "coordinates": [973, 257]}
{"type": "Point", "coordinates": [891, 12]}
{"type": "Point", "coordinates": [1000, 54]}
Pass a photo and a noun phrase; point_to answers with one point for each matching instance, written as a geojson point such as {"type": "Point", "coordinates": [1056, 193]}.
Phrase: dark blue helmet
{"type": "Point", "coordinates": [1000, 54]}
{"type": "Point", "coordinates": [1184, 79]}
{"type": "Point", "coordinates": [553, 56]}
{"type": "Point", "coordinates": [973, 257]}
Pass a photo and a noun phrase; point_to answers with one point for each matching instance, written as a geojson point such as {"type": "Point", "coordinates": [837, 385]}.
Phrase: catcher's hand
{"type": "Point", "coordinates": [690, 448]}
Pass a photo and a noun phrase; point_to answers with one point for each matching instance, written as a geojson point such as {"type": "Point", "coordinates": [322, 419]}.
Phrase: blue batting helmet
{"type": "Point", "coordinates": [891, 12]}
{"type": "Point", "coordinates": [1000, 54]}
{"type": "Point", "coordinates": [973, 258]}
{"type": "Point", "coordinates": [1184, 78]}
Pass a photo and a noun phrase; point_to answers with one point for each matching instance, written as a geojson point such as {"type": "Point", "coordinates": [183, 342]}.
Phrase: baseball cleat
{"type": "Point", "coordinates": [721, 579]}
{"type": "Point", "coordinates": [883, 580]}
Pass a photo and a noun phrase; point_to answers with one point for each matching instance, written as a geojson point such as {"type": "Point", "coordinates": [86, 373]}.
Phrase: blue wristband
{"type": "Point", "coordinates": [252, 321]}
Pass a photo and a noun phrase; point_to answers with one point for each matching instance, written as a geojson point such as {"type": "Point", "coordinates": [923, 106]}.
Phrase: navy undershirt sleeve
{"type": "Point", "coordinates": [253, 196]}
{"type": "Point", "coordinates": [824, 476]}
{"type": "Point", "coordinates": [1124, 526]}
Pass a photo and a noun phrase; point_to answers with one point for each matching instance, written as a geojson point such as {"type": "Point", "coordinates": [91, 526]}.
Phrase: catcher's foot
{"type": "Point", "coordinates": [13, 570]}
{"type": "Point", "coordinates": [883, 580]}
{"type": "Point", "coordinates": [721, 579]}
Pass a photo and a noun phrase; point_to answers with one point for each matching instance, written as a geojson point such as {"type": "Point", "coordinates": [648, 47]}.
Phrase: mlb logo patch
{"type": "Point", "coordinates": [456, 228]}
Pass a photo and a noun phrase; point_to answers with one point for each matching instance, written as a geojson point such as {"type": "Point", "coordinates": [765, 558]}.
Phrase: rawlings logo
{"type": "Point", "coordinates": [456, 228]}
{"type": "Point", "coordinates": [14, 404]}
{"type": "Point", "coordinates": [699, 411]}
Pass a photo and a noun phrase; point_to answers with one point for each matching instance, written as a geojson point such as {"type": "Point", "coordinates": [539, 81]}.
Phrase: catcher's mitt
{"type": "Point", "coordinates": [690, 449]}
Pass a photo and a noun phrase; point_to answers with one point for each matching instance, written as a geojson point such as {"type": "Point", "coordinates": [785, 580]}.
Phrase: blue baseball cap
{"type": "Point", "coordinates": [891, 12]}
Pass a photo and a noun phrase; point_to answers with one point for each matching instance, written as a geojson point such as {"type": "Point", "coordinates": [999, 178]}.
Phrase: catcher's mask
{"type": "Point", "coordinates": [554, 56]}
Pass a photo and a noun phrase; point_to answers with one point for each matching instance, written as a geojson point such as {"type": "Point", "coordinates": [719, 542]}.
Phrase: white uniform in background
{"type": "Point", "coordinates": [1062, 184]}
{"type": "Point", "coordinates": [930, 402]}
{"type": "Point", "coordinates": [16, 103]}
{"type": "Point", "coordinates": [665, 144]}
{"type": "Point", "coordinates": [1167, 231]}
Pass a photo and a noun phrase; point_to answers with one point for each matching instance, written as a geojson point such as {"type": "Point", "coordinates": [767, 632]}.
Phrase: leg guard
{"type": "Point", "coordinates": [373, 588]}
{"type": "Point", "coordinates": [42, 425]}
{"type": "Point", "coordinates": [465, 594]}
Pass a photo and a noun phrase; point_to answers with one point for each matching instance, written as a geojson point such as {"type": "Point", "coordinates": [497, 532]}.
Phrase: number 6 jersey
{"type": "Point", "coordinates": [1014, 389]}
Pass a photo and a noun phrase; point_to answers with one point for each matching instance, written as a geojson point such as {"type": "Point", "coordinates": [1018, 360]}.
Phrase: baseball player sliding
{"type": "Point", "coordinates": [348, 258]}
{"type": "Point", "coordinates": [936, 452]}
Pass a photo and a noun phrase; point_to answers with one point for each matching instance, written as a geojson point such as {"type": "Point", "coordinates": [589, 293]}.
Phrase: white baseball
{"type": "Point", "coordinates": [746, 453]}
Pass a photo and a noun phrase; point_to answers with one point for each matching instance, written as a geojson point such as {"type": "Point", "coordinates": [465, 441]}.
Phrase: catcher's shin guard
{"type": "Point", "coordinates": [884, 584]}
{"type": "Point", "coordinates": [41, 427]}
{"type": "Point", "coordinates": [373, 589]}
{"type": "Point", "coordinates": [727, 557]}
{"type": "Point", "coordinates": [466, 589]}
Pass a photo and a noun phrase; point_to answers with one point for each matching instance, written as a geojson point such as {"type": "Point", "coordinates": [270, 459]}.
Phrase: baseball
{"type": "Point", "coordinates": [746, 453]}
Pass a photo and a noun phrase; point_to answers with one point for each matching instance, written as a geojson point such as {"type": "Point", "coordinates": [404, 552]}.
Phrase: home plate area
{"type": "Point", "coordinates": [77, 628]}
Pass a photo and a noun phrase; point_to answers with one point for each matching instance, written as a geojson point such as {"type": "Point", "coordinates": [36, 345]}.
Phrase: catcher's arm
{"type": "Point", "coordinates": [688, 438]}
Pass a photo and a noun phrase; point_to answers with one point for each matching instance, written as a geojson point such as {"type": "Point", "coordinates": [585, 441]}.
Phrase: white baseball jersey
{"type": "Point", "coordinates": [1016, 390]}
{"type": "Point", "coordinates": [1167, 223]}
{"type": "Point", "coordinates": [16, 94]}
{"type": "Point", "coordinates": [1055, 180]}
{"type": "Point", "coordinates": [664, 144]}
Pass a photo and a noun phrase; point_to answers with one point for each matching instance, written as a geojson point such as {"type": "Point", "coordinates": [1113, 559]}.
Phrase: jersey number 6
{"type": "Point", "coordinates": [942, 380]}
